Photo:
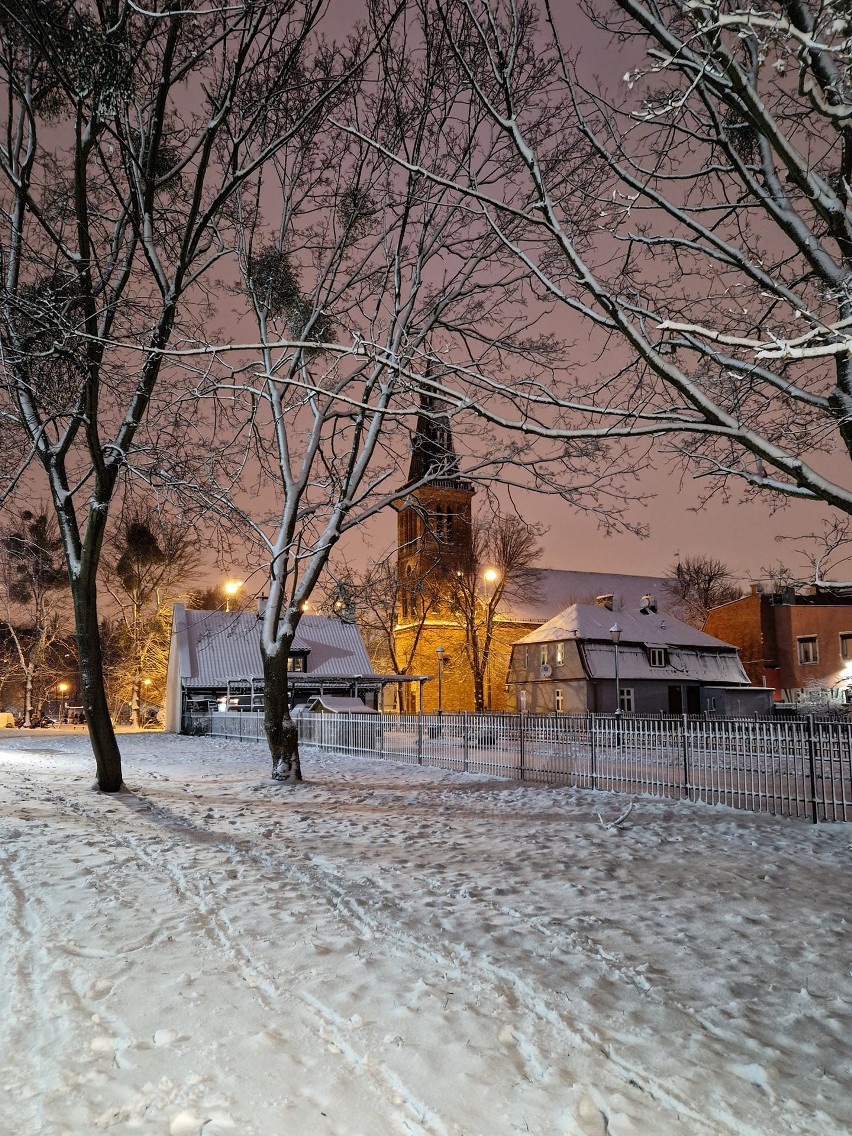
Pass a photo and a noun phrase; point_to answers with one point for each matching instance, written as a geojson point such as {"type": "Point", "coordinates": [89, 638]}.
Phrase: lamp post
{"type": "Point", "coordinates": [439, 651]}
{"type": "Point", "coordinates": [615, 636]}
{"type": "Point", "coordinates": [230, 588]}
{"type": "Point", "coordinates": [62, 689]}
{"type": "Point", "coordinates": [490, 576]}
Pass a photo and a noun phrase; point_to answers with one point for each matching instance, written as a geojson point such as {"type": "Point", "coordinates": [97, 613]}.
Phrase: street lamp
{"type": "Point", "coordinates": [490, 576]}
{"type": "Point", "coordinates": [230, 588]}
{"type": "Point", "coordinates": [615, 636]}
{"type": "Point", "coordinates": [62, 689]}
{"type": "Point", "coordinates": [439, 651]}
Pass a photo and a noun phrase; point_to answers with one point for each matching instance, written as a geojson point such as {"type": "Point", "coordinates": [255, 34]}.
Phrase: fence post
{"type": "Point", "coordinates": [521, 747]}
{"type": "Point", "coordinates": [420, 737]}
{"type": "Point", "coordinates": [812, 763]}
{"type": "Point", "coordinates": [382, 734]}
{"type": "Point", "coordinates": [593, 745]}
{"type": "Point", "coordinates": [684, 723]}
{"type": "Point", "coordinates": [465, 740]}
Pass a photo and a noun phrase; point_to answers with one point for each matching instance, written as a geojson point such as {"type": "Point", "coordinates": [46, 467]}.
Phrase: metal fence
{"type": "Point", "coordinates": [793, 767]}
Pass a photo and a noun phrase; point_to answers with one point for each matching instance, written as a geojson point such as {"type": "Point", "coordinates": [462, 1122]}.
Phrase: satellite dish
{"type": "Point", "coordinates": [546, 672]}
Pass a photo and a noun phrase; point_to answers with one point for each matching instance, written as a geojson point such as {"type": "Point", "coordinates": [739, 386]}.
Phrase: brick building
{"type": "Point", "coordinates": [434, 537]}
{"type": "Point", "coordinates": [798, 641]}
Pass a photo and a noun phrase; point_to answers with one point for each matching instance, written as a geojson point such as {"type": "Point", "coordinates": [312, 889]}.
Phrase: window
{"type": "Point", "coordinates": [297, 663]}
{"type": "Point", "coordinates": [558, 701]}
{"type": "Point", "coordinates": [526, 656]}
{"type": "Point", "coordinates": [808, 650]}
{"type": "Point", "coordinates": [560, 654]}
{"type": "Point", "coordinates": [658, 656]}
{"type": "Point", "coordinates": [544, 654]}
{"type": "Point", "coordinates": [625, 699]}
{"type": "Point", "coordinates": [846, 645]}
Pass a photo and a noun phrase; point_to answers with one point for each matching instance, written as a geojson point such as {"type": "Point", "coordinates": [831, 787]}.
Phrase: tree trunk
{"type": "Point", "coordinates": [135, 699]}
{"type": "Point", "coordinates": [28, 698]}
{"type": "Point", "coordinates": [282, 735]}
{"type": "Point", "coordinates": [478, 692]}
{"type": "Point", "coordinates": [101, 732]}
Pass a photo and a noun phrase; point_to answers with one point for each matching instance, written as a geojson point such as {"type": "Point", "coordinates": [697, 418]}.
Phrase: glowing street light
{"type": "Point", "coordinates": [230, 588]}
{"type": "Point", "coordinates": [490, 576]}
{"type": "Point", "coordinates": [62, 689]}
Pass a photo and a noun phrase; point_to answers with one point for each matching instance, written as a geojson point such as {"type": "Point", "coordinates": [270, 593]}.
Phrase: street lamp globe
{"type": "Point", "coordinates": [230, 588]}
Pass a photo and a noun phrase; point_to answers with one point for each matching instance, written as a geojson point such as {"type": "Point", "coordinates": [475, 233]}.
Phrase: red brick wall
{"type": "Point", "coordinates": [740, 624]}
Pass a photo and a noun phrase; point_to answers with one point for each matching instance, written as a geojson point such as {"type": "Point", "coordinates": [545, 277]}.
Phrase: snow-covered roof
{"type": "Point", "coordinates": [339, 705]}
{"type": "Point", "coordinates": [554, 589]}
{"type": "Point", "coordinates": [694, 664]}
{"type": "Point", "coordinates": [215, 646]}
{"type": "Point", "coordinates": [590, 622]}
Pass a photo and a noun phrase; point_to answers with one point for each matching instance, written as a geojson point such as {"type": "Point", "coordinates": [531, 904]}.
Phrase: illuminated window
{"type": "Point", "coordinates": [808, 649]}
{"type": "Point", "coordinates": [544, 654]}
{"type": "Point", "coordinates": [560, 654]}
{"type": "Point", "coordinates": [558, 701]}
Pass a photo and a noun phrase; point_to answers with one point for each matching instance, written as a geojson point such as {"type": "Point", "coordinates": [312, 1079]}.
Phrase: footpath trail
{"type": "Point", "coordinates": [391, 950]}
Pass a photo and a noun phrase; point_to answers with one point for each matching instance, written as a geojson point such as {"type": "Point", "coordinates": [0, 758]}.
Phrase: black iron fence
{"type": "Point", "coordinates": [798, 767]}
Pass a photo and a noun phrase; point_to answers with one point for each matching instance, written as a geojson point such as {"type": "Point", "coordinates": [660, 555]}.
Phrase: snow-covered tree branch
{"type": "Point", "coordinates": [697, 221]}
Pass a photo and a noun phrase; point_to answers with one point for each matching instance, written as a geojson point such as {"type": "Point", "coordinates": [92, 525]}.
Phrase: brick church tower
{"type": "Point", "coordinates": [433, 537]}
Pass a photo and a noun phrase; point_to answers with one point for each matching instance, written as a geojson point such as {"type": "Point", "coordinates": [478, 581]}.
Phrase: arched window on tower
{"type": "Point", "coordinates": [443, 524]}
{"type": "Point", "coordinates": [406, 601]}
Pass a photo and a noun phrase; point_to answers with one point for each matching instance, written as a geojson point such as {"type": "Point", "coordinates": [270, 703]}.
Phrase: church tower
{"type": "Point", "coordinates": [433, 536]}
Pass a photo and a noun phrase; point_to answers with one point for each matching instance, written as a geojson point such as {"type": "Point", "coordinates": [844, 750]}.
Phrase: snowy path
{"type": "Point", "coordinates": [392, 950]}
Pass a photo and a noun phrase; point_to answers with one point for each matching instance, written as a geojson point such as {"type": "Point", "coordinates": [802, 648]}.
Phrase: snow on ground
{"type": "Point", "coordinates": [392, 950]}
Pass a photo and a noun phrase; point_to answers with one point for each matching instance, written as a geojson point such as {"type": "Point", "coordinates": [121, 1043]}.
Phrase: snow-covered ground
{"type": "Point", "coordinates": [388, 950]}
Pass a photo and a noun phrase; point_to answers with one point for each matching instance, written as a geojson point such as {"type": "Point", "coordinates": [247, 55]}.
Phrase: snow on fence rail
{"type": "Point", "coordinates": [800, 767]}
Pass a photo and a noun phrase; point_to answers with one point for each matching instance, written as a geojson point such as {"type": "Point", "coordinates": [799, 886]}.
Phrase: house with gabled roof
{"type": "Point", "coordinates": [215, 663]}
{"type": "Point", "coordinates": [591, 659]}
{"type": "Point", "coordinates": [434, 526]}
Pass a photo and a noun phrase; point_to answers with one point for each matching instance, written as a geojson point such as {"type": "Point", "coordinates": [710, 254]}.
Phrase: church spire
{"type": "Point", "coordinates": [433, 455]}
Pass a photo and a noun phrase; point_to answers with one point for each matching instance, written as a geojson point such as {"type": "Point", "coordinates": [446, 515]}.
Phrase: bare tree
{"type": "Point", "coordinates": [698, 223]}
{"type": "Point", "coordinates": [821, 556]}
{"type": "Point", "coordinates": [374, 288]}
{"type": "Point", "coordinates": [695, 584]}
{"type": "Point", "coordinates": [371, 599]}
{"type": "Point", "coordinates": [32, 578]}
{"type": "Point", "coordinates": [155, 559]}
{"type": "Point", "coordinates": [499, 566]}
{"type": "Point", "coordinates": [127, 134]}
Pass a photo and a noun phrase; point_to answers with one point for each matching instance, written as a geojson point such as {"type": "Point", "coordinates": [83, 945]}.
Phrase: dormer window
{"type": "Point", "coordinates": [658, 656]}
{"type": "Point", "coordinates": [298, 662]}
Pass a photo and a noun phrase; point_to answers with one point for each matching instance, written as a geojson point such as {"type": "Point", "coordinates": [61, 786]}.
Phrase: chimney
{"type": "Point", "coordinates": [605, 601]}
{"type": "Point", "coordinates": [648, 604]}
